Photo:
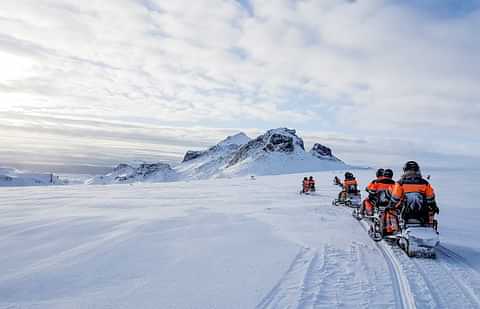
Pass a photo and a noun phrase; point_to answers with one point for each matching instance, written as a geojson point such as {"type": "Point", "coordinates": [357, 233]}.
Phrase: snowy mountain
{"type": "Point", "coordinates": [278, 151]}
{"type": "Point", "coordinates": [10, 177]}
{"type": "Point", "coordinates": [137, 172]}
{"type": "Point", "coordinates": [209, 163]}
{"type": "Point", "coordinates": [228, 145]}
{"type": "Point", "coordinates": [323, 152]}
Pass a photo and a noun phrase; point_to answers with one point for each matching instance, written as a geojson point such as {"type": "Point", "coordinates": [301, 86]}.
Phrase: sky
{"type": "Point", "coordinates": [95, 83]}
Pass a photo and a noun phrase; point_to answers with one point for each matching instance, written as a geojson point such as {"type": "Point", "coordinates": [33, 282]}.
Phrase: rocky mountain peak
{"type": "Point", "coordinates": [229, 144]}
{"type": "Point", "coordinates": [276, 140]}
{"type": "Point", "coordinates": [322, 152]}
{"type": "Point", "coordinates": [236, 139]}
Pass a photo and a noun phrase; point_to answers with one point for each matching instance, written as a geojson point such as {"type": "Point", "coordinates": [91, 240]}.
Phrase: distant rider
{"type": "Point", "coordinates": [311, 183]}
{"type": "Point", "coordinates": [349, 186]}
{"type": "Point", "coordinates": [305, 185]}
{"type": "Point", "coordinates": [414, 197]}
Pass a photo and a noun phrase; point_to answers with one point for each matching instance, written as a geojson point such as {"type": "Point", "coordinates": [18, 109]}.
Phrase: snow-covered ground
{"type": "Point", "coordinates": [226, 243]}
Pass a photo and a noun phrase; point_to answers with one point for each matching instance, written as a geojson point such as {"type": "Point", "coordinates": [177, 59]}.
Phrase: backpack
{"type": "Point", "coordinates": [415, 206]}
{"type": "Point", "coordinates": [383, 198]}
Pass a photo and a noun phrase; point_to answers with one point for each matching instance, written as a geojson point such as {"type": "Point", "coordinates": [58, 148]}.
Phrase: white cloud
{"type": "Point", "coordinates": [373, 69]}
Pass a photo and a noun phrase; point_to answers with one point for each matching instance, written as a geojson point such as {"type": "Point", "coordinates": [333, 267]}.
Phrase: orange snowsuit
{"type": "Point", "coordinates": [306, 185]}
{"type": "Point", "coordinates": [379, 191]}
{"type": "Point", "coordinates": [350, 186]}
{"type": "Point", "coordinates": [415, 198]}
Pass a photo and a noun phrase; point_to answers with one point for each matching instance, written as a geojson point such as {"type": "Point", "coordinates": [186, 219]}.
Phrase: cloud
{"type": "Point", "coordinates": [385, 72]}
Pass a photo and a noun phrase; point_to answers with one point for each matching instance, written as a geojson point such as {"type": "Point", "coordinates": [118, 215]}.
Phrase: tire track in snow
{"type": "Point", "coordinates": [438, 283]}
{"type": "Point", "coordinates": [327, 279]}
{"type": "Point", "coordinates": [424, 295]}
{"type": "Point", "coordinates": [465, 274]}
{"type": "Point", "coordinates": [451, 279]}
{"type": "Point", "coordinates": [401, 287]}
{"type": "Point", "coordinates": [441, 283]}
{"type": "Point", "coordinates": [312, 282]}
{"type": "Point", "coordinates": [287, 292]}
{"type": "Point", "coordinates": [446, 288]}
{"type": "Point", "coordinates": [339, 284]}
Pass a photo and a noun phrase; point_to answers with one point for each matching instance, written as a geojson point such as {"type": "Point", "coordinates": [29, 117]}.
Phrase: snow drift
{"type": "Point", "coordinates": [278, 151]}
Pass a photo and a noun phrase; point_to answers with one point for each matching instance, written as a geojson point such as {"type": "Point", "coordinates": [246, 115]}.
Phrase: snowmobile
{"type": "Point", "coordinates": [308, 186]}
{"type": "Point", "coordinates": [311, 191]}
{"type": "Point", "coordinates": [418, 239]}
{"type": "Point", "coordinates": [414, 237]}
{"type": "Point", "coordinates": [373, 207]}
{"type": "Point", "coordinates": [357, 214]}
{"type": "Point", "coordinates": [418, 228]}
{"type": "Point", "coordinates": [306, 191]}
{"type": "Point", "coordinates": [353, 200]}
{"type": "Point", "coordinates": [377, 227]}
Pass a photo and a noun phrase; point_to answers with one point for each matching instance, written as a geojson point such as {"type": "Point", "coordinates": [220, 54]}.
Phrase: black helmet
{"type": "Point", "coordinates": [380, 172]}
{"type": "Point", "coordinates": [305, 178]}
{"type": "Point", "coordinates": [348, 175]}
{"type": "Point", "coordinates": [388, 173]}
{"type": "Point", "coordinates": [411, 166]}
{"type": "Point", "coordinates": [311, 177]}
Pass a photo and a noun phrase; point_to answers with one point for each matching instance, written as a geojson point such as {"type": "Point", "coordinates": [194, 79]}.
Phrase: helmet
{"type": "Point", "coordinates": [411, 166]}
{"type": "Point", "coordinates": [380, 172]}
{"type": "Point", "coordinates": [348, 175]}
{"type": "Point", "coordinates": [311, 177]}
{"type": "Point", "coordinates": [388, 173]}
{"type": "Point", "coordinates": [305, 178]}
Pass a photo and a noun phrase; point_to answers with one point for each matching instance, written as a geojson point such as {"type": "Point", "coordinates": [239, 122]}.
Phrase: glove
{"type": "Point", "coordinates": [434, 208]}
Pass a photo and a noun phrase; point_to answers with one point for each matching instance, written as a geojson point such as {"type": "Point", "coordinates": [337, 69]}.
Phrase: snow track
{"type": "Point", "coordinates": [441, 282]}
{"type": "Point", "coordinates": [402, 287]}
{"type": "Point", "coordinates": [464, 272]}
{"type": "Point", "coordinates": [444, 284]}
{"type": "Point", "coordinates": [287, 290]}
{"type": "Point", "coordinates": [326, 278]}
{"type": "Point", "coordinates": [403, 294]}
{"type": "Point", "coordinates": [431, 283]}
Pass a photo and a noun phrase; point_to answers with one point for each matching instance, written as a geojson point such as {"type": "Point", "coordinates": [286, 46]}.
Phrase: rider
{"type": "Point", "coordinates": [384, 189]}
{"type": "Point", "coordinates": [350, 186]}
{"type": "Point", "coordinates": [373, 189]}
{"type": "Point", "coordinates": [311, 182]}
{"type": "Point", "coordinates": [305, 185]}
{"type": "Point", "coordinates": [414, 196]}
